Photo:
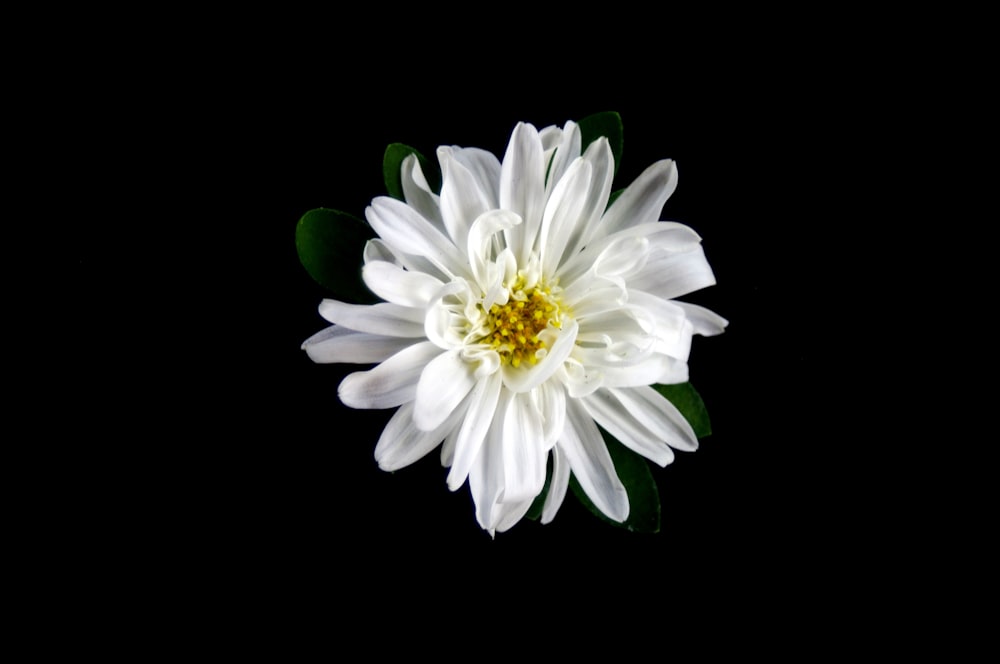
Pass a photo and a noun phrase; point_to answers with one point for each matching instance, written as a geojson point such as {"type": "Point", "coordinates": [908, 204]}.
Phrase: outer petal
{"type": "Point", "coordinates": [405, 230]}
{"type": "Point", "coordinates": [338, 344]}
{"type": "Point", "coordinates": [655, 412]}
{"type": "Point", "coordinates": [662, 236]}
{"type": "Point", "coordinates": [523, 450]}
{"type": "Point", "coordinates": [418, 193]}
{"type": "Point", "coordinates": [705, 322]}
{"type": "Point", "coordinates": [551, 399]}
{"type": "Point", "coordinates": [480, 415]}
{"type": "Point", "coordinates": [391, 383]}
{"type": "Point", "coordinates": [557, 486]}
{"type": "Point", "coordinates": [642, 201]}
{"type": "Point", "coordinates": [485, 168]}
{"type": "Point", "coordinates": [673, 274]}
{"type": "Point", "coordinates": [486, 478]}
{"type": "Point", "coordinates": [386, 319]}
{"type": "Point", "coordinates": [609, 412]}
{"type": "Point", "coordinates": [401, 443]}
{"type": "Point", "coordinates": [443, 384]}
{"type": "Point", "coordinates": [403, 287]}
{"type": "Point", "coordinates": [602, 163]}
{"type": "Point", "coordinates": [462, 200]}
{"type": "Point", "coordinates": [591, 463]}
{"type": "Point", "coordinates": [522, 188]}
{"type": "Point", "coordinates": [562, 214]}
{"type": "Point", "coordinates": [568, 148]}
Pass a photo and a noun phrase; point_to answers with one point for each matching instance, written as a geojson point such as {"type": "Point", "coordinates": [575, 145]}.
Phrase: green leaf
{"type": "Point", "coordinates": [688, 401]}
{"type": "Point", "coordinates": [331, 248]}
{"type": "Point", "coordinates": [643, 496]}
{"type": "Point", "coordinates": [607, 123]}
{"type": "Point", "coordinates": [392, 163]}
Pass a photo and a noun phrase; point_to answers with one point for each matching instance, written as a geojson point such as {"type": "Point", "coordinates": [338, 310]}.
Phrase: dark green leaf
{"type": "Point", "coordinates": [609, 124]}
{"type": "Point", "coordinates": [331, 245]}
{"type": "Point", "coordinates": [688, 401]}
{"type": "Point", "coordinates": [392, 162]}
{"type": "Point", "coordinates": [643, 496]}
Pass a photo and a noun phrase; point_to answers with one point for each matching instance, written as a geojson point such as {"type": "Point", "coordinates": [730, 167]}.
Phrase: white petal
{"type": "Point", "coordinates": [666, 236]}
{"type": "Point", "coordinates": [391, 383]}
{"type": "Point", "coordinates": [672, 329]}
{"type": "Point", "coordinates": [706, 322]}
{"type": "Point", "coordinates": [567, 149]}
{"type": "Point", "coordinates": [604, 406]}
{"type": "Point", "coordinates": [394, 284]}
{"type": "Point", "coordinates": [402, 443]}
{"type": "Point", "coordinates": [602, 163]}
{"type": "Point", "coordinates": [462, 201]}
{"type": "Point", "coordinates": [338, 344]}
{"type": "Point", "coordinates": [562, 214]}
{"type": "Point", "coordinates": [657, 368]}
{"type": "Point", "coordinates": [591, 463]}
{"type": "Point", "coordinates": [655, 412]}
{"type": "Point", "coordinates": [479, 418]}
{"type": "Point", "coordinates": [384, 318]}
{"type": "Point", "coordinates": [485, 168]}
{"type": "Point", "coordinates": [523, 450]}
{"type": "Point", "coordinates": [405, 230]}
{"type": "Point", "coordinates": [642, 201]}
{"type": "Point", "coordinates": [418, 193]}
{"type": "Point", "coordinates": [674, 274]}
{"type": "Point", "coordinates": [486, 478]}
{"type": "Point", "coordinates": [522, 188]}
{"type": "Point", "coordinates": [481, 236]}
{"type": "Point", "coordinates": [443, 384]}
{"type": "Point", "coordinates": [511, 513]}
{"type": "Point", "coordinates": [557, 485]}
{"type": "Point", "coordinates": [527, 377]}
{"type": "Point", "coordinates": [551, 399]}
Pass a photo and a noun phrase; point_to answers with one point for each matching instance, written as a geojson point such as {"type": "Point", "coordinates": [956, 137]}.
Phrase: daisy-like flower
{"type": "Point", "coordinates": [520, 312]}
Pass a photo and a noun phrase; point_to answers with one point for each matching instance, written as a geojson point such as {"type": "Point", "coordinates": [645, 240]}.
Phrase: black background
{"type": "Point", "coordinates": [247, 479]}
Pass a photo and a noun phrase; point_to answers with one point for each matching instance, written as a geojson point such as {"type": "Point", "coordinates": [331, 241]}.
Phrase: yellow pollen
{"type": "Point", "coordinates": [514, 328]}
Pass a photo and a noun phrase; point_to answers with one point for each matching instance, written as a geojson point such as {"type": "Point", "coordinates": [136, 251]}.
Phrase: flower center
{"type": "Point", "coordinates": [515, 327]}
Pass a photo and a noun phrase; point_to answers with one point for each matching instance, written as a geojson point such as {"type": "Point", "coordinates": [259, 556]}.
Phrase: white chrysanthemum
{"type": "Point", "coordinates": [520, 313]}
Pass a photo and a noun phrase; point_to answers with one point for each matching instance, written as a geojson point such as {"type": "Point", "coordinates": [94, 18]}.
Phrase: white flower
{"type": "Point", "coordinates": [520, 312]}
